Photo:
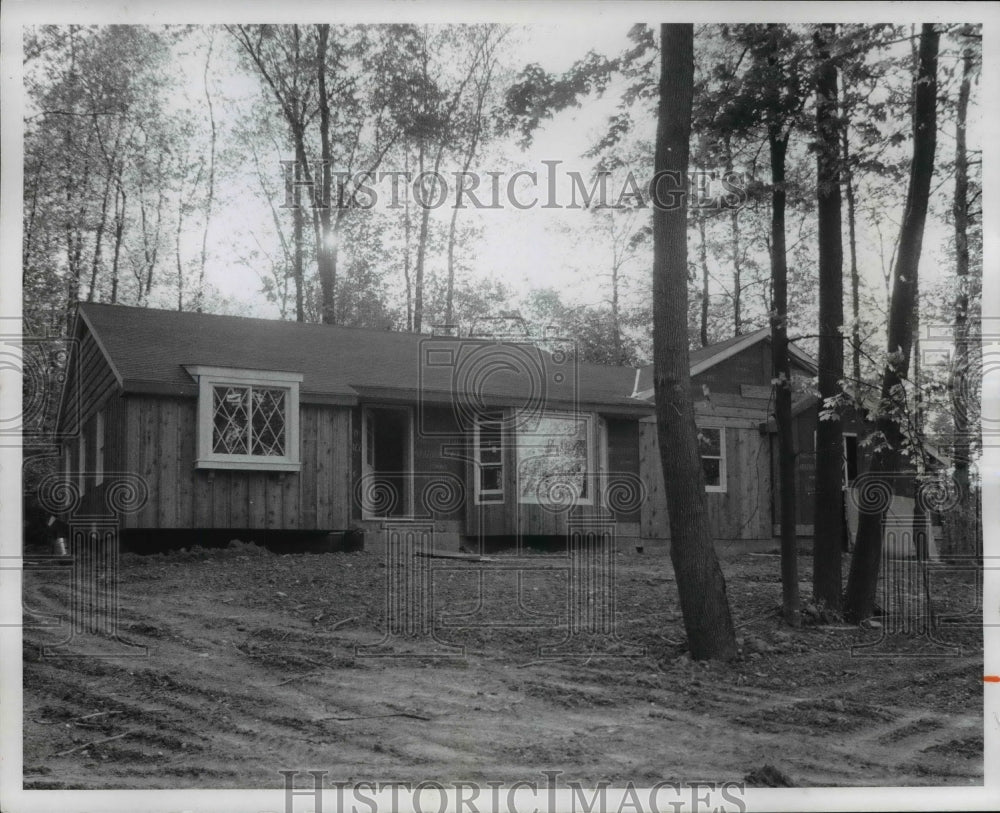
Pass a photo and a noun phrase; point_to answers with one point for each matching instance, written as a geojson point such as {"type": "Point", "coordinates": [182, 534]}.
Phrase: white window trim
{"type": "Point", "coordinates": [210, 377]}
{"type": "Point", "coordinates": [722, 487]}
{"type": "Point", "coordinates": [99, 447]}
{"type": "Point", "coordinates": [488, 496]}
{"type": "Point", "coordinates": [590, 419]}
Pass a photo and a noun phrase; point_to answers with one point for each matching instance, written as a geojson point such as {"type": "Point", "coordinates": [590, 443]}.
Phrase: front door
{"type": "Point", "coordinates": [388, 468]}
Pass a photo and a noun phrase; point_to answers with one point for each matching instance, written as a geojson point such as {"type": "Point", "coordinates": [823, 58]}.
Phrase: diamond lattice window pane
{"type": "Point", "coordinates": [230, 409]}
{"type": "Point", "coordinates": [268, 423]}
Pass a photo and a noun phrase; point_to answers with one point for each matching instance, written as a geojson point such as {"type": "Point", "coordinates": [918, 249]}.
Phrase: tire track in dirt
{"type": "Point", "coordinates": [239, 675]}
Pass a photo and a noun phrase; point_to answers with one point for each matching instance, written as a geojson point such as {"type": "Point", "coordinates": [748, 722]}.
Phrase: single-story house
{"type": "Point", "coordinates": [256, 428]}
{"type": "Point", "coordinates": [244, 427]}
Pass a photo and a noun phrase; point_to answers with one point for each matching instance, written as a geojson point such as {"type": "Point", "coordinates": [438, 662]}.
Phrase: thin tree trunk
{"type": "Point", "coordinates": [828, 524]}
{"type": "Point", "coordinates": [102, 224]}
{"type": "Point", "coordinates": [961, 525]}
{"type": "Point", "coordinates": [734, 224]}
{"type": "Point", "coordinates": [325, 261]}
{"type": "Point", "coordinates": [777, 139]}
{"type": "Point", "coordinates": [863, 578]}
{"type": "Point", "coordinates": [210, 194]}
{"type": "Point", "coordinates": [300, 156]}
{"type": "Point", "coordinates": [778, 144]}
{"type": "Point", "coordinates": [120, 201]}
{"type": "Point", "coordinates": [703, 256]}
{"type": "Point", "coordinates": [483, 89]}
{"type": "Point", "coordinates": [177, 251]}
{"type": "Point", "coordinates": [418, 271]}
{"type": "Point", "coordinates": [300, 315]}
{"type": "Point", "coordinates": [616, 320]}
{"type": "Point", "coordinates": [699, 579]}
{"type": "Point", "coordinates": [853, 244]}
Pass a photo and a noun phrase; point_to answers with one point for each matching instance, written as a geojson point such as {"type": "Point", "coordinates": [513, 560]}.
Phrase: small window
{"type": "Point", "coordinates": [99, 448]}
{"type": "Point", "coordinates": [489, 459]}
{"type": "Point", "coordinates": [712, 447]}
{"type": "Point", "coordinates": [247, 419]}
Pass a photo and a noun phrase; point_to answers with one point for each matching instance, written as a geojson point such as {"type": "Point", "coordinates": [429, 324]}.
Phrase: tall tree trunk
{"type": "Point", "coordinates": [777, 139]}
{"type": "Point", "coordinates": [325, 259]}
{"type": "Point", "coordinates": [102, 224]}
{"type": "Point", "coordinates": [449, 307]}
{"type": "Point", "coordinates": [863, 579]}
{"type": "Point", "coordinates": [782, 374]}
{"type": "Point", "coordinates": [418, 271]}
{"type": "Point", "coordinates": [734, 225]}
{"type": "Point", "coordinates": [210, 192]}
{"type": "Point", "coordinates": [177, 251]}
{"type": "Point", "coordinates": [828, 524]}
{"type": "Point", "coordinates": [120, 202]}
{"type": "Point", "coordinates": [960, 538]}
{"type": "Point", "coordinates": [853, 244]}
{"type": "Point", "coordinates": [302, 159]}
{"type": "Point", "coordinates": [300, 314]}
{"type": "Point", "coordinates": [699, 579]}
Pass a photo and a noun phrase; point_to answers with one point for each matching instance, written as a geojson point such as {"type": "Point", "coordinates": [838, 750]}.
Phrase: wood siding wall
{"type": "Point", "coordinates": [160, 434]}
{"type": "Point", "coordinates": [743, 511]}
{"type": "Point", "coordinates": [436, 432]}
{"type": "Point", "coordinates": [89, 382]}
{"type": "Point", "coordinates": [526, 519]}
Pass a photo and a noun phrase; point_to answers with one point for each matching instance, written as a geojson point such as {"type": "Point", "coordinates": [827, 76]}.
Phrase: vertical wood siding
{"type": "Point", "coordinates": [743, 511]}
{"type": "Point", "coordinates": [159, 445]}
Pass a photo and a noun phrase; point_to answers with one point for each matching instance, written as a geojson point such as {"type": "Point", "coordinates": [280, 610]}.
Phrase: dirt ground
{"type": "Point", "coordinates": [253, 667]}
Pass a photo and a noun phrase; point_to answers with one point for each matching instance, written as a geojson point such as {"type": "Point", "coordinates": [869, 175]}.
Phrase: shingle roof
{"type": "Point", "coordinates": [149, 349]}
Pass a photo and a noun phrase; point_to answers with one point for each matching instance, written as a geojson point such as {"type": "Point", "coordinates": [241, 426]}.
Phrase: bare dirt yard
{"type": "Point", "coordinates": [254, 666]}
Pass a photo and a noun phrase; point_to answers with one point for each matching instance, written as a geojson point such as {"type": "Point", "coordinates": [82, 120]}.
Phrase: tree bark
{"type": "Point", "coordinates": [325, 260]}
{"type": "Point", "coordinates": [863, 578]}
{"type": "Point", "coordinates": [210, 193]}
{"type": "Point", "coordinates": [777, 139]}
{"type": "Point", "coordinates": [734, 225]}
{"type": "Point", "coordinates": [961, 526]}
{"type": "Point", "coordinates": [781, 369]}
{"type": "Point", "coordinates": [700, 582]}
{"type": "Point", "coordinates": [853, 244]}
{"type": "Point", "coordinates": [828, 524]}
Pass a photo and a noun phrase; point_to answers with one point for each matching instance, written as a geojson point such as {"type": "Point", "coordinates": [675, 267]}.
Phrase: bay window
{"type": "Point", "coordinates": [247, 419]}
